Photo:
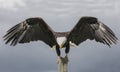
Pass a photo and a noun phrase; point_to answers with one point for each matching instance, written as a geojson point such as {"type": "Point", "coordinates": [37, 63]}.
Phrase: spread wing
{"type": "Point", "coordinates": [31, 29]}
{"type": "Point", "coordinates": [91, 28]}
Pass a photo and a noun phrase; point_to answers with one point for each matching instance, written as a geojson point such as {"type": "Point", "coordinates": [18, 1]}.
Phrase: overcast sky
{"type": "Point", "coordinates": [61, 15]}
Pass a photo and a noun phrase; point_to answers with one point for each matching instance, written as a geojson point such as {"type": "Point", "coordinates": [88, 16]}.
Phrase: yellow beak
{"type": "Point", "coordinates": [60, 46]}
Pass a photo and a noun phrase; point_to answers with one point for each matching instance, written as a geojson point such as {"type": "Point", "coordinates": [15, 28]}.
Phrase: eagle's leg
{"type": "Point", "coordinates": [58, 54]}
{"type": "Point", "coordinates": [67, 51]}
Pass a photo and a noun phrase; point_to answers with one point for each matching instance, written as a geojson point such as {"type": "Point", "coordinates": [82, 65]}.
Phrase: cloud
{"type": "Point", "coordinates": [50, 71]}
{"type": "Point", "coordinates": [11, 4]}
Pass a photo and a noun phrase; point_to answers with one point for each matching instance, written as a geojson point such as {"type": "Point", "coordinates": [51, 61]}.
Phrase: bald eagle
{"type": "Point", "coordinates": [34, 29]}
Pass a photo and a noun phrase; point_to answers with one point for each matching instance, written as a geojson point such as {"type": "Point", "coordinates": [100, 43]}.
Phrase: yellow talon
{"type": "Point", "coordinates": [53, 47]}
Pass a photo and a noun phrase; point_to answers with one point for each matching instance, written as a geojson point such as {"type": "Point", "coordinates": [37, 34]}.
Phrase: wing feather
{"type": "Point", "coordinates": [91, 28]}
{"type": "Point", "coordinates": [31, 29]}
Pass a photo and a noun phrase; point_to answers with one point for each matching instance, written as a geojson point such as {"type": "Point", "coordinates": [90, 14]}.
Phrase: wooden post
{"type": "Point", "coordinates": [63, 65]}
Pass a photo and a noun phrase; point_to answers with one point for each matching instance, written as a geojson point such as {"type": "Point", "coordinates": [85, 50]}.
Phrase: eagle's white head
{"type": "Point", "coordinates": [61, 41]}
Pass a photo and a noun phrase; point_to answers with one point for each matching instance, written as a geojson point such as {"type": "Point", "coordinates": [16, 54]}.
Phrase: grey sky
{"type": "Point", "coordinates": [61, 15]}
